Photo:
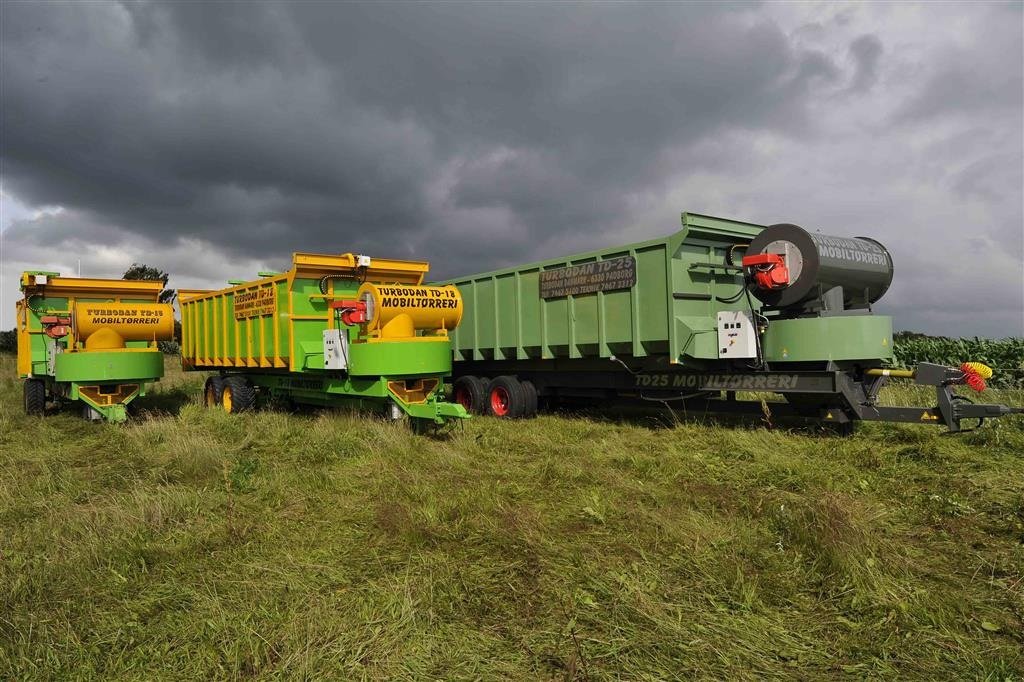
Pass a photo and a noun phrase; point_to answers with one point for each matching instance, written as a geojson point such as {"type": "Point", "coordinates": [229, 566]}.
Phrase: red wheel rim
{"type": "Point", "coordinates": [462, 397]}
{"type": "Point", "coordinates": [499, 401]}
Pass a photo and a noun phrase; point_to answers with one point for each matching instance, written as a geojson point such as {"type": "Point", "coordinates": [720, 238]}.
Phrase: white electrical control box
{"type": "Point", "coordinates": [736, 335]}
{"type": "Point", "coordinates": [335, 349]}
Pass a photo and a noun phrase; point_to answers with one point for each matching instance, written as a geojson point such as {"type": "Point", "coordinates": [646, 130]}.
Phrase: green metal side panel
{"type": "Point", "coordinates": [41, 305]}
{"type": "Point", "coordinates": [669, 311]}
{"type": "Point", "coordinates": [215, 338]}
{"type": "Point", "coordinates": [102, 366]}
{"type": "Point", "coordinates": [310, 311]}
{"type": "Point", "coordinates": [854, 337]}
{"type": "Point", "coordinates": [400, 359]}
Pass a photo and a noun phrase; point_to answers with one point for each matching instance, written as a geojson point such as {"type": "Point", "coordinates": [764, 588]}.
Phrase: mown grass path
{"type": "Point", "coordinates": [195, 545]}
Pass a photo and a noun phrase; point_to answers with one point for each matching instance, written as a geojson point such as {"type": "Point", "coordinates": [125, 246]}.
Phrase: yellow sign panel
{"type": "Point", "coordinates": [132, 321]}
{"type": "Point", "coordinates": [255, 302]}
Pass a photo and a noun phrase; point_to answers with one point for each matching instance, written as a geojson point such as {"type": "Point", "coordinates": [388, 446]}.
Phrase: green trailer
{"type": "Point", "coordinates": [717, 308]}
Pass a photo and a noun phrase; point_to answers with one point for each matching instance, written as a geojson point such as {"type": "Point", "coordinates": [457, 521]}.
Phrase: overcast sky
{"type": "Point", "coordinates": [212, 140]}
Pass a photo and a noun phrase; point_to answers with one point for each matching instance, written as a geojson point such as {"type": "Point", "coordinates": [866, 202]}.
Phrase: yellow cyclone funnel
{"type": "Point", "coordinates": [398, 310]}
{"type": "Point", "coordinates": [109, 325]}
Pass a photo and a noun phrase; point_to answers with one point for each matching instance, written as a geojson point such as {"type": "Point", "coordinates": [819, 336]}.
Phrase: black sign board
{"type": "Point", "coordinates": [604, 275]}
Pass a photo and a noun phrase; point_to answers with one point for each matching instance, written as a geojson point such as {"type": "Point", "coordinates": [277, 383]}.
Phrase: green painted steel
{"type": "Point", "coordinates": [396, 358]}
{"type": "Point", "coordinates": [109, 366]}
{"type": "Point", "coordinates": [681, 281]}
{"type": "Point", "coordinates": [846, 337]}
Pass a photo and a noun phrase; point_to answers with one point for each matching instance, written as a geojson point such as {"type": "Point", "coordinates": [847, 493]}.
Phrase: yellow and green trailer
{"type": "Point", "coordinates": [89, 342]}
{"type": "Point", "coordinates": [333, 330]}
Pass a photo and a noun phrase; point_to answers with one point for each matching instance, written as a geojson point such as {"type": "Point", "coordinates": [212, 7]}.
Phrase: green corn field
{"type": "Point", "coordinates": [1005, 356]}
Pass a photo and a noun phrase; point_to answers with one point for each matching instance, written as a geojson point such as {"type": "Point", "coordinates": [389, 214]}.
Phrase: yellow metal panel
{"type": "Point", "coordinates": [292, 366]}
{"type": "Point", "coordinates": [277, 333]}
{"type": "Point", "coordinates": [380, 269]}
{"type": "Point", "coordinates": [24, 340]}
{"type": "Point", "coordinates": [238, 346]}
{"type": "Point", "coordinates": [83, 287]}
{"type": "Point", "coordinates": [187, 295]}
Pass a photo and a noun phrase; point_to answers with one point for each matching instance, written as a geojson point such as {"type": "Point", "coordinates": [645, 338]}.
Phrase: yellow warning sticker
{"type": "Point", "coordinates": [926, 417]}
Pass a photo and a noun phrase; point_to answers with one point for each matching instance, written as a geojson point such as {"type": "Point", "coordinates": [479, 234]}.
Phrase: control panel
{"type": "Point", "coordinates": [335, 349]}
{"type": "Point", "coordinates": [736, 335]}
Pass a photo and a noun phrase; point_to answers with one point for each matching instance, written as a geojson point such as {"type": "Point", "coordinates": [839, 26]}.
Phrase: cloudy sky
{"type": "Point", "coordinates": [212, 140]}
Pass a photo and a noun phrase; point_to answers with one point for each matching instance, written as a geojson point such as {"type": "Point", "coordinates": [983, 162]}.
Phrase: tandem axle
{"type": "Point", "coordinates": [832, 395]}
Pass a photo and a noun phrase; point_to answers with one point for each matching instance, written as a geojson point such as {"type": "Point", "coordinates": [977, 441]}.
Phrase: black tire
{"type": "Point", "coordinates": [213, 391]}
{"type": "Point", "coordinates": [531, 398]}
{"type": "Point", "coordinates": [506, 398]}
{"type": "Point", "coordinates": [471, 393]}
{"type": "Point", "coordinates": [35, 397]}
{"type": "Point", "coordinates": [238, 395]}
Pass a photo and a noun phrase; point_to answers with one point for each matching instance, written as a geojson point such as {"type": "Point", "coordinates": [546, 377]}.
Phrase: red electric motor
{"type": "Point", "coordinates": [769, 270]}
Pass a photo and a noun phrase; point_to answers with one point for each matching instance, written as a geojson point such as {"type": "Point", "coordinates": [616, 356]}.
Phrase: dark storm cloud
{"type": "Point", "coordinates": [211, 137]}
{"type": "Point", "coordinates": [976, 79]}
{"type": "Point", "coordinates": [260, 127]}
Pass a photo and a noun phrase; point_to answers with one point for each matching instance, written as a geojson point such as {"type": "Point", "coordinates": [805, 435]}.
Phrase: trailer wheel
{"type": "Point", "coordinates": [471, 393]}
{"type": "Point", "coordinates": [238, 395]}
{"type": "Point", "coordinates": [506, 397]}
{"type": "Point", "coordinates": [531, 398]}
{"type": "Point", "coordinates": [35, 397]}
{"type": "Point", "coordinates": [213, 391]}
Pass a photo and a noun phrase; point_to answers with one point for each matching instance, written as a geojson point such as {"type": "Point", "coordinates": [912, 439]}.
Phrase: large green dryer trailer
{"type": "Point", "coordinates": [718, 307]}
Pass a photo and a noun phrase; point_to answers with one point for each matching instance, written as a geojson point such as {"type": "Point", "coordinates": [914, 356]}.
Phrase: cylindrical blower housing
{"type": "Point", "coordinates": [398, 310]}
{"type": "Point", "coordinates": [109, 325]}
{"type": "Point", "coordinates": [818, 262]}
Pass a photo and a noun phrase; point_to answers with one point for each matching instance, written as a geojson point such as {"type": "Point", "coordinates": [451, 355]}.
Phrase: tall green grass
{"type": "Point", "coordinates": [191, 544]}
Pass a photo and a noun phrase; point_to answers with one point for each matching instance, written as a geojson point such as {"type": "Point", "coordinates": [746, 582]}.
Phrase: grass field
{"type": "Point", "coordinates": [191, 544]}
